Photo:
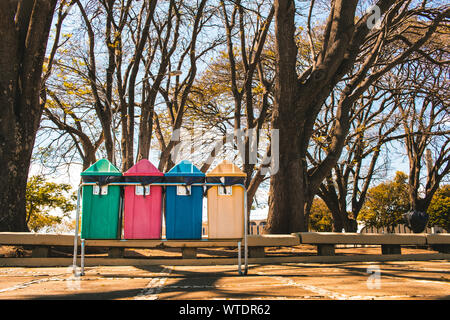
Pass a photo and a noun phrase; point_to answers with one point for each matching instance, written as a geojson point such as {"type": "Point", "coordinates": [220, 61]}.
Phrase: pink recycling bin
{"type": "Point", "coordinates": [142, 203]}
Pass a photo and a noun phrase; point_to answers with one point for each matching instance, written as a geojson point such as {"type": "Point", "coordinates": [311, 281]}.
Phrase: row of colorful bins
{"type": "Point", "coordinates": [142, 204]}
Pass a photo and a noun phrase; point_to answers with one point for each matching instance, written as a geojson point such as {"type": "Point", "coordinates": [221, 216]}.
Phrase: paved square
{"type": "Point", "coordinates": [298, 281]}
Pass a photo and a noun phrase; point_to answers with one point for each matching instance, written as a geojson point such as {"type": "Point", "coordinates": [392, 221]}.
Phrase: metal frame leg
{"type": "Point", "coordinates": [245, 256]}
{"type": "Point", "coordinates": [239, 258]}
{"type": "Point", "coordinates": [245, 231]}
{"type": "Point", "coordinates": [82, 256]}
{"type": "Point", "coordinates": [75, 238]}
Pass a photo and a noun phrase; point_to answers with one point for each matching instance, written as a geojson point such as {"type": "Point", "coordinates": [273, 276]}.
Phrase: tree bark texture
{"type": "Point", "coordinates": [286, 196]}
{"type": "Point", "coordinates": [24, 30]}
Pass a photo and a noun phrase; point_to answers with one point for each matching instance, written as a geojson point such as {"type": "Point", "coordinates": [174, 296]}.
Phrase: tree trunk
{"type": "Point", "coordinates": [337, 204]}
{"type": "Point", "coordinates": [341, 222]}
{"type": "Point", "coordinates": [286, 196]}
{"type": "Point", "coordinates": [286, 199]}
{"type": "Point", "coordinates": [145, 133]}
{"type": "Point", "coordinates": [24, 30]}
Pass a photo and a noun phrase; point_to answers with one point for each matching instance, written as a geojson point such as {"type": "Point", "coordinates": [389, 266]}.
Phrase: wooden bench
{"type": "Point", "coordinates": [439, 242]}
{"type": "Point", "coordinates": [390, 243]}
{"type": "Point", "coordinates": [41, 243]}
{"type": "Point", "coordinates": [258, 243]}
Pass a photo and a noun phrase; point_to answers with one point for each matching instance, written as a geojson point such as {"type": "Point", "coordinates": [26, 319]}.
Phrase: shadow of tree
{"type": "Point", "coordinates": [186, 280]}
{"type": "Point", "coordinates": [187, 284]}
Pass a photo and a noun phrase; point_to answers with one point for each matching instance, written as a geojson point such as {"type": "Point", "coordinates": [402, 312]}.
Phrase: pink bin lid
{"type": "Point", "coordinates": [143, 168]}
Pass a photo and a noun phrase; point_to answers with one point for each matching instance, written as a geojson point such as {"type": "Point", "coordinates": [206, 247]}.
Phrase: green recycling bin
{"type": "Point", "coordinates": [101, 202]}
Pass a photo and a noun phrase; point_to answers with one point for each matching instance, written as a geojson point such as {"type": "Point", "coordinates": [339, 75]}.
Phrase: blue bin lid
{"type": "Point", "coordinates": [183, 169]}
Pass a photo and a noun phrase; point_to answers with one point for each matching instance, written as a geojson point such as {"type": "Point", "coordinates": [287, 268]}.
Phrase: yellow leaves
{"type": "Point", "coordinates": [320, 216]}
{"type": "Point", "coordinates": [259, 89]}
{"type": "Point", "coordinates": [67, 85]}
{"type": "Point", "coordinates": [78, 62]}
{"type": "Point", "coordinates": [68, 111]}
{"type": "Point", "coordinates": [73, 90]}
{"type": "Point", "coordinates": [50, 104]}
{"type": "Point", "coordinates": [223, 55]}
{"type": "Point", "coordinates": [115, 44]}
{"type": "Point", "coordinates": [270, 53]}
{"type": "Point", "coordinates": [63, 52]}
{"type": "Point", "coordinates": [42, 197]}
{"type": "Point", "coordinates": [386, 202]}
{"type": "Point", "coordinates": [85, 91]}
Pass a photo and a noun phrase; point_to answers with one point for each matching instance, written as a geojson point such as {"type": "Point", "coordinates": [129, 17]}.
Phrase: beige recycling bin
{"type": "Point", "coordinates": [226, 203]}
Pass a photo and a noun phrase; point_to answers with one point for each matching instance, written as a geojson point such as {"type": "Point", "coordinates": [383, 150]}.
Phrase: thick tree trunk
{"type": "Point", "coordinates": [286, 196]}
{"type": "Point", "coordinates": [298, 102]}
{"type": "Point", "coordinates": [24, 30]}
{"type": "Point", "coordinates": [13, 187]}
{"type": "Point", "coordinates": [286, 199]}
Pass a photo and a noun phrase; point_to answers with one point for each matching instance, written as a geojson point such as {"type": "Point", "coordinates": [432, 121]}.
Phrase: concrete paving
{"type": "Point", "coordinates": [402, 280]}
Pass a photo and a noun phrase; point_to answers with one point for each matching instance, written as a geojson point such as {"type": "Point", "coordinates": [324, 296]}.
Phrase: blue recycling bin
{"type": "Point", "coordinates": [183, 204]}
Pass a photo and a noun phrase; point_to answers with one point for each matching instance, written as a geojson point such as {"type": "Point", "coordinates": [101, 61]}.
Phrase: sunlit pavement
{"type": "Point", "coordinates": [299, 281]}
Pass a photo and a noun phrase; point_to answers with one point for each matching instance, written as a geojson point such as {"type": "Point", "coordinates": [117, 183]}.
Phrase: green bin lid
{"type": "Point", "coordinates": [102, 168]}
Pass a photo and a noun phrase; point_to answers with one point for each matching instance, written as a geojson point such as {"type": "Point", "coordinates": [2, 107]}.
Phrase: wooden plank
{"type": "Point", "coordinates": [161, 243]}
{"type": "Point", "coordinates": [253, 241]}
{"type": "Point", "coordinates": [35, 239]}
{"type": "Point", "coordinates": [90, 262]}
{"type": "Point", "coordinates": [256, 252]}
{"type": "Point", "coordinates": [39, 239]}
{"type": "Point", "coordinates": [360, 238]}
{"type": "Point", "coordinates": [123, 243]}
{"type": "Point", "coordinates": [189, 253]}
{"type": "Point", "coordinates": [40, 252]}
{"type": "Point", "coordinates": [391, 249]}
{"type": "Point", "coordinates": [326, 250]}
{"type": "Point", "coordinates": [272, 240]}
{"type": "Point", "coordinates": [114, 253]}
{"type": "Point", "coordinates": [438, 238]}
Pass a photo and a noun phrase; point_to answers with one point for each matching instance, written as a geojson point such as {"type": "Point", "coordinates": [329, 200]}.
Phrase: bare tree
{"type": "Point", "coordinates": [426, 130]}
{"type": "Point", "coordinates": [353, 55]}
{"type": "Point", "coordinates": [244, 71]}
{"type": "Point", "coordinates": [190, 51]}
{"type": "Point", "coordinates": [374, 123]}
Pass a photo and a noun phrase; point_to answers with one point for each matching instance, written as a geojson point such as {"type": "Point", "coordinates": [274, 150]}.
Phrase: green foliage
{"type": "Point", "coordinates": [42, 197]}
{"type": "Point", "coordinates": [439, 209]}
{"type": "Point", "coordinates": [320, 218]}
{"type": "Point", "coordinates": [385, 203]}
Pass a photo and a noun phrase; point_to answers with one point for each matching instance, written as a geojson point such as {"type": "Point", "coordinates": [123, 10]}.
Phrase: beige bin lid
{"type": "Point", "coordinates": [226, 168]}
